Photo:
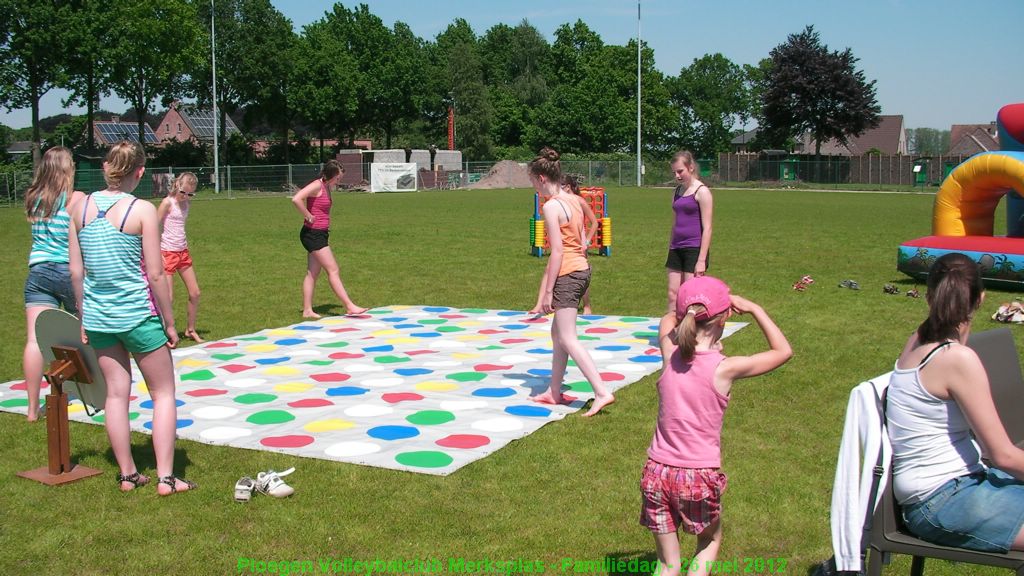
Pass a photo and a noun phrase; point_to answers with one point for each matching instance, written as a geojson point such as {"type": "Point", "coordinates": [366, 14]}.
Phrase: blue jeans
{"type": "Point", "coordinates": [49, 285]}
{"type": "Point", "coordinates": [982, 511]}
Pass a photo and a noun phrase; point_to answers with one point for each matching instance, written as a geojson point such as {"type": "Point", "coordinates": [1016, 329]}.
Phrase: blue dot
{"type": "Point", "coordinates": [494, 392]}
{"type": "Point", "coordinates": [536, 411]}
{"type": "Point", "coordinates": [290, 341]}
{"type": "Point", "coordinates": [511, 313]}
{"type": "Point", "coordinates": [407, 326]}
{"type": "Point", "coordinates": [346, 391]}
{"type": "Point", "coordinates": [384, 348]}
{"type": "Point", "coordinates": [647, 359]}
{"type": "Point", "coordinates": [436, 309]}
{"type": "Point", "coordinates": [412, 371]}
{"type": "Point", "coordinates": [613, 347]}
{"type": "Point", "coordinates": [148, 404]}
{"type": "Point", "coordinates": [591, 316]}
{"type": "Point", "coordinates": [306, 327]}
{"type": "Point", "coordinates": [539, 371]}
{"type": "Point", "coordinates": [515, 326]}
{"type": "Point", "coordinates": [425, 334]}
{"type": "Point", "coordinates": [539, 351]}
{"type": "Point", "coordinates": [272, 360]}
{"type": "Point", "coordinates": [394, 319]}
{"type": "Point", "coordinates": [181, 423]}
{"type": "Point", "coordinates": [392, 432]}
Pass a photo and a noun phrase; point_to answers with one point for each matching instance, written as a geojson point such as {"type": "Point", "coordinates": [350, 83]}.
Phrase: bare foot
{"type": "Point", "coordinates": [194, 336]}
{"type": "Point", "coordinates": [170, 485]}
{"type": "Point", "coordinates": [311, 315]}
{"type": "Point", "coordinates": [33, 416]}
{"type": "Point", "coordinates": [356, 311]}
{"type": "Point", "coordinates": [547, 398]}
{"type": "Point", "coordinates": [599, 402]}
{"type": "Point", "coordinates": [587, 310]}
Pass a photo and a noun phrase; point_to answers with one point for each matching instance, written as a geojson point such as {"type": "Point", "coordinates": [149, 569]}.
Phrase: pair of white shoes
{"type": "Point", "coordinates": [268, 482]}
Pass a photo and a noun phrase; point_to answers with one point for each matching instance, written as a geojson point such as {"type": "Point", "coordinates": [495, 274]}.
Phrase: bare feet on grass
{"type": "Point", "coordinates": [194, 336]}
{"type": "Point", "coordinates": [311, 315]}
{"type": "Point", "coordinates": [599, 403]}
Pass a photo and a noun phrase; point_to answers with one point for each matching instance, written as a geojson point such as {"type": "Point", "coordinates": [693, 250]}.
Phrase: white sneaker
{"type": "Point", "coordinates": [270, 482]}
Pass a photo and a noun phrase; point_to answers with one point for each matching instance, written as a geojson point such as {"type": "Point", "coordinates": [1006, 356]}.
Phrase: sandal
{"type": "Point", "coordinates": [244, 488]}
{"type": "Point", "coordinates": [851, 284]}
{"type": "Point", "coordinates": [172, 481]}
{"type": "Point", "coordinates": [890, 289]}
{"type": "Point", "coordinates": [807, 279]}
{"type": "Point", "coordinates": [270, 482]}
{"type": "Point", "coordinates": [913, 293]}
{"type": "Point", "coordinates": [137, 480]}
{"type": "Point", "coordinates": [800, 286]}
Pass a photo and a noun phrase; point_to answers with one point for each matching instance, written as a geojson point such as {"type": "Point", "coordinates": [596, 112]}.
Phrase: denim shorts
{"type": "Point", "coordinates": [982, 511]}
{"type": "Point", "coordinates": [49, 285]}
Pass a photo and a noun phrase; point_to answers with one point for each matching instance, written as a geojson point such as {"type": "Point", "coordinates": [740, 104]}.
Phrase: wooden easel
{"type": "Point", "coordinates": [67, 365]}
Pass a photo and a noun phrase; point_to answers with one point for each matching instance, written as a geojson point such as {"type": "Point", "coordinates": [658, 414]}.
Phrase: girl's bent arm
{"type": "Point", "coordinates": [667, 337]}
{"type": "Point", "coordinates": [736, 367]}
{"type": "Point", "coordinates": [299, 200]}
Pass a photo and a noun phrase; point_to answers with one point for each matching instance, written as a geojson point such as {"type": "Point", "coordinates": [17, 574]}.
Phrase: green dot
{"type": "Point", "coordinates": [320, 362]}
{"type": "Point", "coordinates": [14, 403]}
{"type": "Point", "coordinates": [450, 329]}
{"type": "Point", "coordinates": [424, 459]}
{"type": "Point", "coordinates": [634, 319]}
{"type": "Point", "coordinates": [251, 338]}
{"type": "Point", "coordinates": [255, 398]}
{"type": "Point", "coordinates": [571, 363]}
{"type": "Point", "coordinates": [432, 321]}
{"type": "Point", "coordinates": [581, 322]}
{"type": "Point", "coordinates": [430, 417]}
{"type": "Point", "coordinates": [643, 335]}
{"type": "Point", "coordinates": [586, 337]}
{"type": "Point", "coordinates": [390, 359]}
{"type": "Point", "coordinates": [270, 417]}
{"type": "Point", "coordinates": [101, 419]}
{"type": "Point", "coordinates": [378, 311]}
{"type": "Point", "coordinates": [581, 386]}
{"type": "Point", "coordinates": [492, 347]}
{"type": "Point", "coordinates": [334, 345]}
{"type": "Point", "coordinates": [473, 310]}
{"type": "Point", "coordinates": [199, 375]}
{"type": "Point", "coordinates": [467, 376]}
{"type": "Point", "coordinates": [226, 357]}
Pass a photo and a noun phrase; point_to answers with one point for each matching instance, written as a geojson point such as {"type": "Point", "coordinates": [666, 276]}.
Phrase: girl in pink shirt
{"type": "Point", "coordinates": [682, 483]}
{"type": "Point", "coordinates": [172, 213]}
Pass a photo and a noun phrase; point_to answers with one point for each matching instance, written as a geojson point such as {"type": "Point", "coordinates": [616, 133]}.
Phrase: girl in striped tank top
{"type": "Point", "coordinates": [48, 284]}
{"type": "Point", "coordinates": [118, 276]}
{"type": "Point", "coordinates": [565, 279]}
{"type": "Point", "coordinates": [172, 213]}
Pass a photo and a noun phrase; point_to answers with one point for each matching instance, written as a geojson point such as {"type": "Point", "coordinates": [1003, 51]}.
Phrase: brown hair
{"type": "Point", "coordinates": [954, 294]}
{"type": "Point", "coordinates": [54, 176]}
{"type": "Point", "coordinates": [331, 169]}
{"type": "Point", "coordinates": [686, 331]}
{"type": "Point", "coordinates": [571, 183]}
{"type": "Point", "coordinates": [688, 160]}
{"type": "Point", "coordinates": [123, 158]}
{"type": "Point", "coordinates": [546, 164]}
{"type": "Point", "coordinates": [180, 182]}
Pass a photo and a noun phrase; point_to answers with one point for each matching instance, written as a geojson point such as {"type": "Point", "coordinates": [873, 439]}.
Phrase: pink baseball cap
{"type": "Point", "coordinates": [711, 292]}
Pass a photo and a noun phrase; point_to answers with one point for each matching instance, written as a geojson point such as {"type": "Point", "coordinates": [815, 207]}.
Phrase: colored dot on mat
{"type": "Point", "coordinates": [494, 392]}
{"type": "Point", "coordinates": [436, 309]}
{"type": "Point", "coordinates": [255, 398]}
{"type": "Point", "coordinates": [473, 311]}
{"type": "Point", "coordinates": [431, 321]}
{"type": "Point", "coordinates": [148, 404]}
{"type": "Point", "coordinates": [290, 341]}
{"type": "Point", "coordinates": [539, 371]}
{"type": "Point", "coordinates": [226, 357]}
{"type": "Point", "coordinates": [221, 345]}
{"type": "Point", "coordinates": [338, 344]}
{"type": "Point", "coordinates": [510, 313]}
{"type": "Point", "coordinates": [224, 433]}
{"type": "Point", "coordinates": [214, 412]}
{"type": "Point", "coordinates": [319, 362]}
{"type": "Point", "coordinates": [396, 397]}
{"type": "Point", "coordinates": [465, 441]}
{"type": "Point", "coordinates": [425, 334]}
{"type": "Point", "coordinates": [430, 417]}
{"type": "Point", "coordinates": [452, 316]}
{"type": "Point", "coordinates": [384, 348]}
{"type": "Point", "coordinates": [394, 319]}
{"type": "Point", "coordinates": [424, 459]}
{"type": "Point", "coordinates": [539, 351]}
{"type": "Point", "coordinates": [613, 347]}
{"type": "Point", "coordinates": [347, 391]}
{"type": "Point", "coordinates": [270, 417]}
{"type": "Point", "coordinates": [271, 361]}
{"type": "Point", "coordinates": [306, 327]}
{"type": "Point", "coordinates": [599, 330]}
{"type": "Point", "coordinates": [392, 432]}
{"type": "Point", "coordinates": [330, 377]}
{"type": "Point", "coordinates": [588, 338]}
{"type": "Point", "coordinates": [515, 340]}
{"type": "Point", "coordinates": [291, 387]}
{"type": "Point", "coordinates": [235, 368]}
{"type": "Point", "coordinates": [282, 371]}
{"type": "Point", "coordinates": [581, 386]}
{"type": "Point", "coordinates": [646, 359]}
{"type": "Point", "coordinates": [412, 371]}
{"type": "Point", "coordinates": [345, 355]}
{"type": "Point", "coordinates": [182, 423]}
{"type": "Point", "coordinates": [436, 386]}
{"type": "Point", "coordinates": [198, 375]}
{"type": "Point", "coordinates": [491, 367]}
{"type": "Point", "coordinates": [257, 348]}
{"type": "Point", "coordinates": [612, 376]}
{"type": "Point", "coordinates": [201, 392]}
{"type": "Point", "coordinates": [591, 316]}
{"type": "Point", "coordinates": [291, 441]}
{"type": "Point", "coordinates": [447, 329]}
{"type": "Point", "coordinates": [14, 403]}
{"type": "Point", "coordinates": [329, 425]}
{"type": "Point", "coordinates": [311, 403]}
{"type": "Point", "coordinates": [514, 326]}
{"type": "Point", "coordinates": [644, 335]}
{"type": "Point", "coordinates": [391, 359]}
{"type": "Point", "coordinates": [407, 326]}
{"type": "Point", "coordinates": [535, 411]}
{"type": "Point", "coordinates": [467, 376]}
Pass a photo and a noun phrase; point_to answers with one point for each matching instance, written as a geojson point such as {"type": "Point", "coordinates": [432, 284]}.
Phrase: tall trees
{"type": "Point", "coordinates": [712, 94]}
{"type": "Point", "coordinates": [458, 60]}
{"type": "Point", "coordinates": [927, 141]}
{"type": "Point", "coordinates": [809, 88]}
{"type": "Point", "coordinates": [88, 62]}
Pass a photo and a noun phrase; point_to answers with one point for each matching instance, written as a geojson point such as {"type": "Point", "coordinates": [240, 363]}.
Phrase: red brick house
{"type": "Point", "coordinates": [183, 122]}
{"type": "Point", "coordinates": [970, 139]}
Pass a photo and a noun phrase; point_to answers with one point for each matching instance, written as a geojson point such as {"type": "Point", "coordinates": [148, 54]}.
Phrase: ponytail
{"type": "Point", "coordinates": [954, 294]}
{"type": "Point", "coordinates": [689, 328]}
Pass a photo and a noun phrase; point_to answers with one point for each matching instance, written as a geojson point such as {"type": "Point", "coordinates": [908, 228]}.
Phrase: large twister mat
{"type": "Point", "coordinates": [424, 389]}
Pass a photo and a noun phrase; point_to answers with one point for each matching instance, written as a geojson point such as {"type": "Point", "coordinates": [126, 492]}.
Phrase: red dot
{"type": "Point", "coordinates": [451, 316]}
{"type": "Point", "coordinates": [236, 368]}
{"type": "Point", "coordinates": [612, 376]}
{"type": "Point", "coordinates": [330, 377]}
{"type": "Point", "coordinates": [491, 367]}
{"type": "Point", "coordinates": [493, 331]}
{"type": "Point", "coordinates": [463, 441]}
{"type": "Point", "coordinates": [311, 403]}
{"type": "Point", "coordinates": [396, 397]}
{"type": "Point", "coordinates": [600, 330]}
{"type": "Point", "coordinates": [222, 345]}
{"type": "Point", "coordinates": [206, 392]}
{"type": "Point", "coordinates": [345, 356]}
{"type": "Point", "coordinates": [22, 386]}
{"type": "Point", "coordinates": [418, 352]}
{"type": "Point", "coordinates": [296, 441]}
{"type": "Point", "coordinates": [515, 340]}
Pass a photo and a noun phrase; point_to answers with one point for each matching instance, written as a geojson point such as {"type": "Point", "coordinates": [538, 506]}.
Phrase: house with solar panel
{"type": "Point", "coordinates": [110, 132]}
{"type": "Point", "coordinates": [185, 122]}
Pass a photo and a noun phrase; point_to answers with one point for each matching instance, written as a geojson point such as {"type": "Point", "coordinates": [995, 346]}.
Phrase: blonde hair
{"type": "Point", "coordinates": [686, 331]}
{"type": "Point", "coordinates": [54, 176]}
{"type": "Point", "coordinates": [182, 180]}
{"type": "Point", "coordinates": [688, 160]}
{"type": "Point", "coordinates": [546, 164]}
{"type": "Point", "coordinates": [123, 158]}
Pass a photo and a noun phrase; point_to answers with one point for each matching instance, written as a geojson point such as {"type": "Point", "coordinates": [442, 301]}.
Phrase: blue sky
{"type": "Point", "coordinates": [937, 62]}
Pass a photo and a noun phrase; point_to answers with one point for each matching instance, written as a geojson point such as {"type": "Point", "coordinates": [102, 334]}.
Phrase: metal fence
{"type": "Point", "coordinates": [867, 172]}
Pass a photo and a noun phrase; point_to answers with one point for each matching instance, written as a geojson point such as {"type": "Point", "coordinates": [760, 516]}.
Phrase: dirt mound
{"type": "Point", "coordinates": [505, 174]}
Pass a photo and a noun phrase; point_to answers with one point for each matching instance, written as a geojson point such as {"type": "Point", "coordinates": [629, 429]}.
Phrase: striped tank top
{"type": "Point", "coordinates": [50, 235]}
{"type": "Point", "coordinates": [173, 237]}
{"type": "Point", "coordinates": [320, 208]}
{"type": "Point", "coordinates": [117, 295]}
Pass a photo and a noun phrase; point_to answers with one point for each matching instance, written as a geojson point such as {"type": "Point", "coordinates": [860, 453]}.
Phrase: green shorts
{"type": "Point", "coordinates": [145, 337]}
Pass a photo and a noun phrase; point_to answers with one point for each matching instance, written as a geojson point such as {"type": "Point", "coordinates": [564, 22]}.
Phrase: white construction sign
{"type": "Point", "coordinates": [392, 177]}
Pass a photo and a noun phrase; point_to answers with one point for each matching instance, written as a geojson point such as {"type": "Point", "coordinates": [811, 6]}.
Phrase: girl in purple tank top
{"type": "Point", "coordinates": [682, 483]}
{"type": "Point", "coordinates": [314, 203]}
{"type": "Point", "coordinates": [690, 241]}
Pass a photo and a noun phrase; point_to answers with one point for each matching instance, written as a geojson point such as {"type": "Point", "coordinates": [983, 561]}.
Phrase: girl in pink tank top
{"type": "Point", "coordinates": [172, 213]}
{"type": "Point", "coordinates": [682, 483]}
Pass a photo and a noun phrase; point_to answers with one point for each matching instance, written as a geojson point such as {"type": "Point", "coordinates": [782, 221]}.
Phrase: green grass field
{"type": "Point", "coordinates": [568, 491]}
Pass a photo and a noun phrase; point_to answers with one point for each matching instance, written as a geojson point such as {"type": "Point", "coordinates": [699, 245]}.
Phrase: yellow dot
{"type": "Point", "coordinates": [436, 386]}
{"type": "Point", "coordinates": [386, 332]}
{"type": "Point", "coordinates": [292, 387]}
{"type": "Point", "coordinates": [404, 340]}
{"type": "Point", "coordinates": [328, 425]}
{"type": "Point", "coordinates": [465, 355]}
{"type": "Point", "coordinates": [281, 332]}
{"type": "Point", "coordinates": [75, 408]}
{"type": "Point", "coordinates": [261, 348]}
{"type": "Point", "coordinates": [193, 363]}
{"type": "Point", "coordinates": [334, 321]}
{"type": "Point", "coordinates": [538, 333]}
{"type": "Point", "coordinates": [468, 323]}
{"type": "Point", "coordinates": [141, 387]}
{"type": "Point", "coordinates": [281, 371]}
{"type": "Point", "coordinates": [471, 337]}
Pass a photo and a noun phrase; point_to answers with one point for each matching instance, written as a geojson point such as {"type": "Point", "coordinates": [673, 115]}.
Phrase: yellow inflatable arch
{"type": "Point", "coordinates": [966, 202]}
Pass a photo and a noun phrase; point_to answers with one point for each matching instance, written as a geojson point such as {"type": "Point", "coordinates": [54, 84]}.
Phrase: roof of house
{"type": "Point", "coordinates": [201, 121]}
{"type": "Point", "coordinates": [20, 147]}
{"type": "Point", "coordinates": [888, 137]}
{"type": "Point", "coordinates": [113, 131]}
{"type": "Point", "coordinates": [973, 138]}
{"type": "Point", "coordinates": [744, 137]}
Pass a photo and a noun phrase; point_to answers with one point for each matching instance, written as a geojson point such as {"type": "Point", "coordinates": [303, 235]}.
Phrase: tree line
{"type": "Point", "coordinates": [348, 75]}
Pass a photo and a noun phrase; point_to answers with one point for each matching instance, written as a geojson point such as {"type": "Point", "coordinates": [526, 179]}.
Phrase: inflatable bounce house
{"type": "Point", "coordinates": [964, 212]}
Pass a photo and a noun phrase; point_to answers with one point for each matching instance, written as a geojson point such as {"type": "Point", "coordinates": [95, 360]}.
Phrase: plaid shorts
{"type": "Point", "coordinates": [689, 499]}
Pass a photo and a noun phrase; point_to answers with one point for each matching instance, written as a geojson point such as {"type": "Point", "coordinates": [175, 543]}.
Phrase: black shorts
{"type": "Point", "coordinates": [685, 259]}
{"type": "Point", "coordinates": [312, 239]}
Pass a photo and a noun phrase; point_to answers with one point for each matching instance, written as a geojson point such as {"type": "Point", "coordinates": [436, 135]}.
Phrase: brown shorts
{"type": "Point", "coordinates": [569, 289]}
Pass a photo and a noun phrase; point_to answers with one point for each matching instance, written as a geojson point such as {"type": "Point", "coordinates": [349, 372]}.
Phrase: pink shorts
{"type": "Point", "coordinates": [674, 499]}
{"type": "Point", "coordinates": [174, 261]}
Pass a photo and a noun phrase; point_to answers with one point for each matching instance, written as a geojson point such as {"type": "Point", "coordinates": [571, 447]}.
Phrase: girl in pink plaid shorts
{"type": "Point", "coordinates": [682, 483]}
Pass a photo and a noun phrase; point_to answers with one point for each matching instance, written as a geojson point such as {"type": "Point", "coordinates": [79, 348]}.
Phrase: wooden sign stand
{"type": "Point", "coordinates": [67, 365]}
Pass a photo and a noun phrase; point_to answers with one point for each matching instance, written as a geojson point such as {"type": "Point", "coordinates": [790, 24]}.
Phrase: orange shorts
{"type": "Point", "coordinates": [174, 261]}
